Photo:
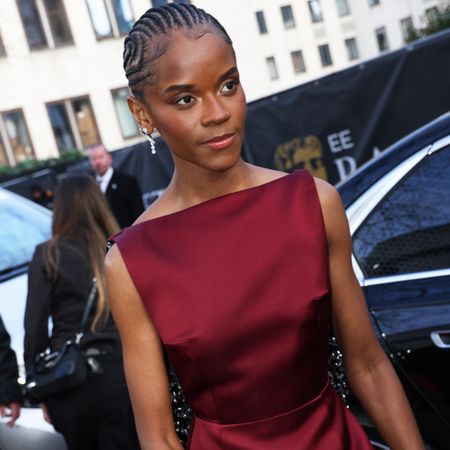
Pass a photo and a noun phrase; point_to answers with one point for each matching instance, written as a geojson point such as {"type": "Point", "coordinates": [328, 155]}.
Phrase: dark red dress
{"type": "Point", "coordinates": [237, 288]}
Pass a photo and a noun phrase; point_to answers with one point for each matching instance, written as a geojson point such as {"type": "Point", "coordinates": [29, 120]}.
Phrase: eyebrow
{"type": "Point", "coordinates": [188, 87]}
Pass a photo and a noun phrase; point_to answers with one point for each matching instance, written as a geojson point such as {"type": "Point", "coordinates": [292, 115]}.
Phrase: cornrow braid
{"type": "Point", "coordinates": [144, 45]}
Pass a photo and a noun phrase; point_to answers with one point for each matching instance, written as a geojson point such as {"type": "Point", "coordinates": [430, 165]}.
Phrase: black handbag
{"type": "Point", "coordinates": [63, 370]}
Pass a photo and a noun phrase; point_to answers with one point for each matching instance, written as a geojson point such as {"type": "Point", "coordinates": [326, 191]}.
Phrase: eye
{"type": "Point", "coordinates": [186, 100]}
{"type": "Point", "coordinates": [230, 86]}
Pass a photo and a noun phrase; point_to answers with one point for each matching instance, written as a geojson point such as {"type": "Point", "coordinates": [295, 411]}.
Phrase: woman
{"type": "Point", "coordinates": [237, 271]}
{"type": "Point", "coordinates": [98, 414]}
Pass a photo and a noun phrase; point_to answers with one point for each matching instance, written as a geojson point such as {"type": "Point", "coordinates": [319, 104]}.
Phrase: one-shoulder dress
{"type": "Point", "coordinates": [238, 290]}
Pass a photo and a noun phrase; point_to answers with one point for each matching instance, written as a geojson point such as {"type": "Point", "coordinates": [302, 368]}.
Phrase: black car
{"type": "Point", "coordinates": [398, 207]}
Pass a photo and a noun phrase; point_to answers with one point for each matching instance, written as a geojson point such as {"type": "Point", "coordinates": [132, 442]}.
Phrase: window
{"type": "Point", "coordinates": [2, 47]}
{"type": "Point", "coordinates": [382, 39]}
{"type": "Point", "coordinates": [432, 14]}
{"type": "Point", "coordinates": [342, 7]}
{"type": "Point", "coordinates": [45, 23]}
{"type": "Point", "coordinates": [315, 10]}
{"type": "Point", "coordinates": [374, 2]}
{"type": "Point", "coordinates": [123, 15]}
{"type": "Point", "coordinates": [272, 66]}
{"type": "Point", "coordinates": [110, 17]}
{"type": "Point", "coordinates": [3, 156]}
{"type": "Point", "coordinates": [32, 24]}
{"type": "Point", "coordinates": [73, 124]}
{"type": "Point", "coordinates": [57, 20]}
{"type": "Point", "coordinates": [298, 61]}
{"type": "Point", "coordinates": [288, 17]}
{"type": "Point", "coordinates": [352, 49]}
{"type": "Point", "coordinates": [409, 231]}
{"type": "Point", "coordinates": [325, 55]}
{"type": "Point", "coordinates": [261, 22]}
{"type": "Point", "coordinates": [127, 122]}
{"type": "Point", "coordinates": [16, 136]}
{"type": "Point", "coordinates": [156, 3]}
{"type": "Point", "coordinates": [407, 27]}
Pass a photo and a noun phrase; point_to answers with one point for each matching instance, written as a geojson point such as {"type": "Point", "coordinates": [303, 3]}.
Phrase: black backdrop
{"type": "Point", "coordinates": [334, 124]}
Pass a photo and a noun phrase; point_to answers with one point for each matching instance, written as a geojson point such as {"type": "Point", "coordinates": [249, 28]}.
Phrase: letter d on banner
{"type": "Point", "coordinates": [345, 166]}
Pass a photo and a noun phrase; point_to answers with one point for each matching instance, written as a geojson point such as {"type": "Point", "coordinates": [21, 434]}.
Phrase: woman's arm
{"type": "Point", "coordinates": [37, 310]}
{"type": "Point", "coordinates": [370, 374]}
{"type": "Point", "coordinates": [143, 359]}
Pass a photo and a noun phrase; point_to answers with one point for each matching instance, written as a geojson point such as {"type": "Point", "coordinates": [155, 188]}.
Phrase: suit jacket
{"type": "Point", "coordinates": [9, 388]}
{"type": "Point", "coordinates": [125, 198]}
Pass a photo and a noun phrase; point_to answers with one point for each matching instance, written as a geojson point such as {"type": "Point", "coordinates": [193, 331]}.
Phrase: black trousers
{"type": "Point", "coordinates": [98, 414]}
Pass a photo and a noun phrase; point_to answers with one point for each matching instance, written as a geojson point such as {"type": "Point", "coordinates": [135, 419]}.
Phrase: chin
{"type": "Point", "coordinates": [222, 162]}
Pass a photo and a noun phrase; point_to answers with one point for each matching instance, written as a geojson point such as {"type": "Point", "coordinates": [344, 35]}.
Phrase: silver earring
{"type": "Point", "coordinates": [152, 142]}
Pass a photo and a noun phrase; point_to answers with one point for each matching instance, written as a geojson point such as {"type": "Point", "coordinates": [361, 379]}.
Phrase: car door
{"type": "Point", "coordinates": [402, 248]}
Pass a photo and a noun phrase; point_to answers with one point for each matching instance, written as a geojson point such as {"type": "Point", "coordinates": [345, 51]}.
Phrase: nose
{"type": "Point", "coordinates": [215, 111]}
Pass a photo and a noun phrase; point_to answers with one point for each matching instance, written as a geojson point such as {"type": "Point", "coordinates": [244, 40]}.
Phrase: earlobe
{"type": "Point", "coordinates": [140, 113]}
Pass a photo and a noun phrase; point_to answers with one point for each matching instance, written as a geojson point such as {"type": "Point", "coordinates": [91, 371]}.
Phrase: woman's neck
{"type": "Point", "coordinates": [198, 185]}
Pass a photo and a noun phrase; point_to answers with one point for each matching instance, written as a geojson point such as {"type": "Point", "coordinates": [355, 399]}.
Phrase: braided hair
{"type": "Point", "coordinates": [145, 42]}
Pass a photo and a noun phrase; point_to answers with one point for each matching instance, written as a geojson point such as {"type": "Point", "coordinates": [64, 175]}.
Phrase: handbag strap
{"type": "Point", "coordinates": [87, 310]}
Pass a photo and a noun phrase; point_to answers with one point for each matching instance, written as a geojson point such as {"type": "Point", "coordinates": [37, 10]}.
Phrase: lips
{"type": "Point", "coordinates": [220, 142]}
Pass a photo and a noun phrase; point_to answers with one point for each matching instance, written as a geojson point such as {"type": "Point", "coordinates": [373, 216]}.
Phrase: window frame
{"type": "Point", "coordinates": [347, 47]}
{"type": "Point", "coordinates": [65, 20]}
{"type": "Point", "coordinates": [314, 19]}
{"type": "Point", "coordinates": [347, 8]}
{"type": "Point", "coordinates": [113, 91]}
{"type": "Point", "coordinates": [378, 32]}
{"type": "Point", "coordinates": [302, 65]}
{"type": "Point", "coordinates": [38, 19]}
{"type": "Point", "coordinates": [45, 25]}
{"type": "Point", "coordinates": [404, 29]}
{"type": "Point", "coordinates": [261, 22]}
{"type": "Point", "coordinates": [112, 19]}
{"type": "Point", "coordinates": [288, 22]}
{"type": "Point", "coordinates": [6, 140]}
{"type": "Point", "coordinates": [74, 129]}
{"type": "Point", "coordinates": [4, 153]}
{"type": "Point", "coordinates": [3, 53]}
{"type": "Point", "coordinates": [271, 63]}
{"type": "Point", "coordinates": [321, 55]}
{"type": "Point", "coordinates": [158, 4]}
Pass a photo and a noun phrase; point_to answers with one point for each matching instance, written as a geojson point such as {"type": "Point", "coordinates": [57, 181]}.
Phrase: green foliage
{"type": "Point", "coordinates": [437, 22]}
{"type": "Point", "coordinates": [35, 164]}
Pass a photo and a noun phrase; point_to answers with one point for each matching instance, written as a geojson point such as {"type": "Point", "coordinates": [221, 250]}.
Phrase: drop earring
{"type": "Point", "coordinates": [152, 142]}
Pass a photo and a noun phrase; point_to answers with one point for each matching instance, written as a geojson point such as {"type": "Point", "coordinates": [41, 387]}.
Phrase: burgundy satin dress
{"type": "Point", "coordinates": [237, 288]}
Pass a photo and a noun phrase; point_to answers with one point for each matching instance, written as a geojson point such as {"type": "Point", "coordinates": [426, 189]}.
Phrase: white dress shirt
{"type": "Point", "coordinates": [104, 180]}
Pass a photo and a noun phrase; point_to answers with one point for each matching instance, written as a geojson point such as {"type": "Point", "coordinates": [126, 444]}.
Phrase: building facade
{"type": "Point", "coordinates": [62, 85]}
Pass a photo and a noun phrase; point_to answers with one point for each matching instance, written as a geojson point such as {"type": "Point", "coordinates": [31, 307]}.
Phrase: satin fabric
{"type": "Point", "coordinates": [238, 290]}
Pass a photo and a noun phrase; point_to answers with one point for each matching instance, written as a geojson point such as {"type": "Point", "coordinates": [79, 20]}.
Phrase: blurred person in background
{"type": "Point", "coordinates": [10, 392]}
{"type": "Point", "coordinates": [121, 190]}
{"type": "Point", "coordinates": [97, 415]}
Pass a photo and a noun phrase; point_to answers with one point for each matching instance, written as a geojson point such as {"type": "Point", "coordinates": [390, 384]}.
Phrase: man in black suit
{"type": "Point", "coordinates": [10, 394]}
{"type": "Point", "coordinates": [122, 191]}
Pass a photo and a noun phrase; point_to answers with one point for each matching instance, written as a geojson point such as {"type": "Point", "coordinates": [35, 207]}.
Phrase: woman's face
{"type": "Point", "coordinates": [197, 103]}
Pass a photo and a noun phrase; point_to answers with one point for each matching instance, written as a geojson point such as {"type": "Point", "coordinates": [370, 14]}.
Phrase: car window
{"type": "Point", "coordinates": [409, 230]}
{"type": "Point", "coordinates": [22, 227]}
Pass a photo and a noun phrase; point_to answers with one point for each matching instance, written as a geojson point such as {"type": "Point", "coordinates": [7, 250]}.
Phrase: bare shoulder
{"type": "Point", "coordinates": [114, 263]}
{"type": "Point", "coordinates": [333, 211]}
{"type": "Point", "coordinates": [328, 195]}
